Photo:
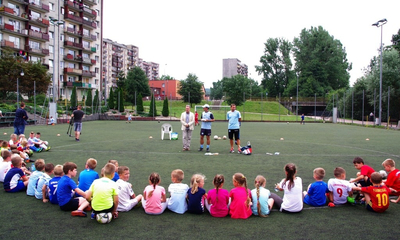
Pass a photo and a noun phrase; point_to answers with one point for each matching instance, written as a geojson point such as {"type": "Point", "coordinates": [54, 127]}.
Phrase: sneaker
{"type": "Point", "coordinates": [93, 215]}
{"type": "Point", "coordinates": [232, 151]}
{"type": "Point", "coordinates": [48, 148]}
{"type": "Point", "coordinates": [200, 149]}
{"type": "Point", "coordinates": [239, 151]}
{"type": "Point", "coordinates": [88, 208]}
{"type": "Point", "coordinates": [208, 150]}
{"type": "Point", "coordinates": [77, 139]}
{"type": "Point", "coordinates": [78, 213]}
{"type": "Point", "coordinates": [331, 204]}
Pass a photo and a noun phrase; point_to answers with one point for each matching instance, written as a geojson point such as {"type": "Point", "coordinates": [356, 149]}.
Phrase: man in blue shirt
{"type": "Point", "coordinates": [234, 119]}
{"type": "Point", "coordinates": [206, 119]}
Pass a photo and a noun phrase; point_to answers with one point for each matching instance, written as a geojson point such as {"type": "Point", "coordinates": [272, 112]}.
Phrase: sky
{"type": "Point", "coordinates": [185, 36]}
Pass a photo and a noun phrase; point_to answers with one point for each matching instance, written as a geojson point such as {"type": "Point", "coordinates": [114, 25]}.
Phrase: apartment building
{"type": "Point", "coordinates": [65, 36]}
{"type": "Point", "coordinates": [119, 57]}
{"type": "Point", "coordinates": [232, 67]}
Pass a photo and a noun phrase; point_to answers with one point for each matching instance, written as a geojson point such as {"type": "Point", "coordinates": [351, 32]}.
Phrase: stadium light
{"type": "Point", "coordinates": [380, 24]}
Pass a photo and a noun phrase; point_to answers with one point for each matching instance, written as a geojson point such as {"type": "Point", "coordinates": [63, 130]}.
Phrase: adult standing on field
{"type": "Point", "coordinates": [234, 119]}
{"type": "Point", "coordinates": [187, 120]}
{"type": "Point", "coordinates": [20, 120]}
{"type": "Point", "coordinates": [77, 115]}
{"type": "Point", "coordinates": [206, 119]}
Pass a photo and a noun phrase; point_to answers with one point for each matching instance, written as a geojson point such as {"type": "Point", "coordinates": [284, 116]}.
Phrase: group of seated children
{"type": "Point", "coordinates": [111, 194]}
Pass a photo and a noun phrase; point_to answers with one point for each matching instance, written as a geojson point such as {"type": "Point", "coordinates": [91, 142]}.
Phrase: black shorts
{"type": "Point", "coordinates": [233, 132]}
{"type": "Point", "coordinates": [72, 205]}
{"type": "Point", "coordinates": [205, 132]}
{"type": "Point", "coordinates": [104, 210]}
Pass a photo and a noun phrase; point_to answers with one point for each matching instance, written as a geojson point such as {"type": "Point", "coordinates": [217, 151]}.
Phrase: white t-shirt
{"type": "Point", "coordinates": [177, 201]}
{"type": "Point", "coordinates": [293, 199]}
{"type": "Point", "coordinates": [125, 192]}
{"type": "Point", "coordinates": [4, 167]}
{"type": "Point", "coordinates": [340, 189]}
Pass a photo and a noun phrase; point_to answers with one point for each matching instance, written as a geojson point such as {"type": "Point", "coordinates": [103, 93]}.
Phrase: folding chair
{"type": "Point", "coordinates": [166, 128]}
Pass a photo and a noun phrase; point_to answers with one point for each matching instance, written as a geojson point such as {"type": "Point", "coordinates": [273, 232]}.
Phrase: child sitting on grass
{"type": "Point", "coordinates": [196, 194]}
{"type": "Point", "coordinates": [126, 196]}
{"type": "Point", "coordinates": [41, 191]}
{"type": "Point", "coordinates": [377, 195]}
{"type": "Point", "coordinates": [154, 200]}
{"type": "Point", "coordinates": [116, 176]}
{"type": "Point", "coordinates": [262, 203]}
{"type": "Point", "coordinates": [66, 188]}
{"type": "Point", "coordinates": [240, 206]}
{"type": "Point", "coordinates": [218, 198]}
{"type": "Point", "coordinates": [87, 176]}
{"type": "Point", "coordinates": [15, 179]}
{"type": "Point", "coordinates": [34, 178]}
{"type": "Point", "coordinates": [363, 177]}
{"type": "Point", "coordinates": [5, 165]}
{"type": "Point", "coordinates": [339, 188]}
{"type": "Point", "coordinates": [393, 179]}
{"type": "Point", "coordinates": [177, 190]}
{"type": "Point", "coordinates": [53, 184]}
{"type": "Point", "coordinates": [103, 193]}
{"type": "Point", "coordinates": [316, 192]}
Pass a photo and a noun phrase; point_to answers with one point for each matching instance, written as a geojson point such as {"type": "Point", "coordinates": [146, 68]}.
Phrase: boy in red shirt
{"type": "Point", "coordinates": [377, 195]}
{"type": "Point", "coordinates": [393, 178]}
{"type": "Point", "coordinates": [363, 177]}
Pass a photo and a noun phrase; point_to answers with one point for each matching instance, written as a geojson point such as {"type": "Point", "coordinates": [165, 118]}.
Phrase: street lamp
{"type": "Point", "coordinates": [55, 22]}
{"type": "Point", "coordinates": [22, 74]}
{"type": "Point", "coordinates": [380, 23]}
{"type": "Point", "coordinates": [297, 96]}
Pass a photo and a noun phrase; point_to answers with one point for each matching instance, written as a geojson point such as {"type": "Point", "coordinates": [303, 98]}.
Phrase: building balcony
{"type": "Point", "coordinates": [79, 85]}
{"type": "Point", "coordinates": [86, 73]}
{"type": "Point", "coordinates": [14, 14]}
{"type": "Point", "coordinates": [73, 5]}
{"type": "Point", "coordinates": [88, 61]}
{"type": "Point", "coordinates": [89, 37]}
{"type": "Point", "coordinates": [72, 31]}
{"type": "Point", "coordinates": [38, 6]}
{"type": "Point", "coordinates": [10, 29]}
{"type": "Point", "coordinates": [5, 43]}
{"type": "Point", "coordinates": [90, 2]}
{"type": "Point", "coordinates": [90, 13]}
{"type": "Point", "coordinates": [72, 71]}
{"type": "Point", "coordinates": [37, 51]}
{"type": "Point", "coordinates": [89, 24]}
{"type": "Point", "coordinates": [39, 35]}
{"type": "Point", "coordinates": [73, 45]}
{"type": "Point", "coordinates": [73, 18]}
{"type": "Point", "coordinates": [39, 21]}
{"type": "Point", "coordinates": [23, 2]}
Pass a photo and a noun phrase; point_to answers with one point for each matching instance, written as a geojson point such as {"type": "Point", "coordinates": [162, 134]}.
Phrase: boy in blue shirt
{"type": "Point", "coordinates": [87, 176]}
{"type": "Point", "coordinates": [15, 179]}
{"type": "Point", "coordinates": [34, 178]}
{"type": "Point", "coordinates": [66, 188]}
{"type": "Point", "coordinates": [53, 184]}
{"type": "Point", "coordinates": [316, 193]}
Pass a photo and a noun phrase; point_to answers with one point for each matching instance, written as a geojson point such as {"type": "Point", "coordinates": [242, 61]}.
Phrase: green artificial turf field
{"type": "Point", "coordinates": [308, 146]}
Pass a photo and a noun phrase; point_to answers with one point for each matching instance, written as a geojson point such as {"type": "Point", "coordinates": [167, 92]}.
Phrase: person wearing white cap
{"type": "Point", "coordinates": [206, 119]}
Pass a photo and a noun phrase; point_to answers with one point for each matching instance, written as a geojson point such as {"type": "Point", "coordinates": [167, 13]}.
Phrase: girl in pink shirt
{"type": "Point", "coordinates": [240, 198]}
{"type": "Point", "coordinates": [154, 201]}
{"type": "Point", "coordinates": [218, 198]}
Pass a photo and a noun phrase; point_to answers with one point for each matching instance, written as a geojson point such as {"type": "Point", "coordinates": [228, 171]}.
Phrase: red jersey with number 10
{"type": "Point", "coordinates": [379, 197]}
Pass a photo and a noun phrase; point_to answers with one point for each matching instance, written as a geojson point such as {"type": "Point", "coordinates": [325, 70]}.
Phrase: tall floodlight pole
{"type": "Point", "coordinates": [380, 24]}
{"type": "Point", "coordinates": [297, 96]}
{"type": "Point", "coordinates": [22, 74]}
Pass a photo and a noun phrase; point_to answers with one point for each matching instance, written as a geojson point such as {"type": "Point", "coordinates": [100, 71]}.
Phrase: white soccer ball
{"type": "Point", "coordinates": [224, 137]}
{"type": "Point", "coordinates": [383, 174]}
{"type": "Point", "coordinates": [215, 137]}
{"type": "Point", "coordinates": [104, 217]}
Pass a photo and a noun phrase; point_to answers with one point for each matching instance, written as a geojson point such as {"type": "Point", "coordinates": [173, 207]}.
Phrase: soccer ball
{"type": "Point", "coordinates": [104, 217]}
{"type": "Point", "coordinates": [383, 174]}
{"type": "Point", "coordinates": [224, 137]}
{"type": "Point", "coordinates": [215, 137]}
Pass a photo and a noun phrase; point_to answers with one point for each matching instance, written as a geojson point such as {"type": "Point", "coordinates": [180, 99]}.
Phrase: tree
{"type": "Point", "coordinates": [236, 88]}
{"type": "Point", "coordinates": [136, 82]}
{"type": "Point", "coordinates": [396, 41]}
{"type": "Point", "coordinates": [165, 110]}
{"type": "Point", "coordinates": [83, 100]}
{"type": "Point", "coordinates": [89, 99]}
{"type": "Point", "coordinates": [10, 70]}
{"type": "Point", "coordinates": [153, 107]}
{"type": "Point", "coordinates": [275, 66]}
{"type": "Point", "coordinates": [217, 91]}
{"type": "Point", "coordinates": [111, 99]}
{"type": "Point", "coordinates": [121, 102]}
{"type": "Point", "coordinates": [74, 99]}
{"type": "Point", "coordinates": [166, 77]}
{"type": "Point", "coordinates": [321, 62]}
{"type": "Point", "coordinates": [96, 99]}
{"type": "Point", "coordinates": [191, 87]}
{"type": "Point", "coordinates": [139, 103]}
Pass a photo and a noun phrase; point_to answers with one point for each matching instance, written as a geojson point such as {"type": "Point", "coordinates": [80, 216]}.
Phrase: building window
{"type": "Point", "coordinates": [61, 64]}
{"type": "Point", "coordinates": [61, 78]}
{"type": "Point", "coordinates": [61, 51]}
{"type": "Point", "coordinates": [51, 35]}
{"type": "Point", "coordinates": [51, 49]}
{"type": "Point", "coordinates": [96, 70]}
{"type": "Point", "coordinates": [51, 6]}
{"type": "Point", "coordinates": [51, 63]}
{"type": "Point", "coordinates": [62, 37]}
{"type": "Point", "coordinates": [96, 58]}
{"type": "Point", "coordinates": [62, 91]}
{"type": "Point", "coordinates": [62, 10]}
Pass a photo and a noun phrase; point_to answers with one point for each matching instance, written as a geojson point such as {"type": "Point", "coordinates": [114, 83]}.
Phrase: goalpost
{"type": "Point", "coordinates": [214, 109]}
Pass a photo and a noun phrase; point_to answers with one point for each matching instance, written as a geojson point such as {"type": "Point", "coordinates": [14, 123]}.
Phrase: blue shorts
{"type": "Point", "coordinates": [72, 205]}
{"type": "Point", "coordinates": [205, 132]}
{"type": "Point", "coordinates": [19, 188]}
{"type": "Point", "coordinates": [77, 126]}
